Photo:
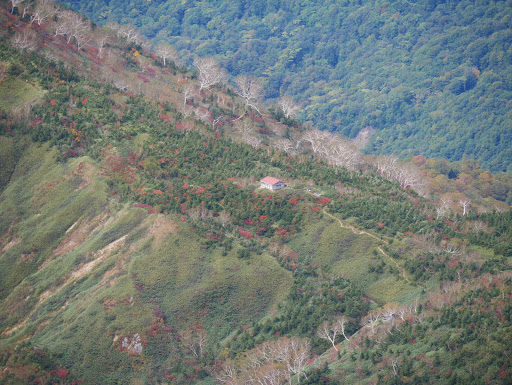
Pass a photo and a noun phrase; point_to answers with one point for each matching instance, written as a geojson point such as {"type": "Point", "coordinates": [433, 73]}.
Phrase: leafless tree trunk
{"type": "Point", "coordinates": [101, 42]}
{"type": "Point", "coordinates": [271, 363]}
{"type": "Point", "coordinates": [210, 72]}
{"type": "Point", "coordinates": [328, 331]}
{"type": "Point", "coordinates": [283, 144]}
{"type": "Point", "coordinates": [26, 9]}
{"type": "Point", "coordinates": [189, 91]}
{"type": "Point", "coordinates": [464, 203]}
{"type": "Point", "coordinates": [250, 90]}
{"type": "Point", "coordinates": [43, 10]}
{"type": "Point", "coordinates": [289, 107]}
{"type": "Point", "coordinates": [394, 364]}
{"type": "Point", "coordinates": [129, 32]}
{"type": "Point", "coordinates": [167, 52]}
{"type": "Point", "coordinates": [372, 319]}
{"type": "Point", "coordinates": [194, 341]}
{"type": "Point", "coordinates": [25, 40]}
{"type": "Point", "coordinates": [14, 4]}
{"type": "Point", "coordinates": [224, 218]}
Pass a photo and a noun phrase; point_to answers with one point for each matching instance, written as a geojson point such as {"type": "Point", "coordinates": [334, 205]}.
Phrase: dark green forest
{"type": "Point", "coordinates": [430, 77]}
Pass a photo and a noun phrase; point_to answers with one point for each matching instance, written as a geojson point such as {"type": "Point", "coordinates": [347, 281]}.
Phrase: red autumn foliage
{"type": "Point", "coordinates": [293, 201]}
{"type": "Point", "coordinates": [281, 232]}
{"type": "Point", "coordinates": [150, 208]}
{"type": "Point", "coordinates": [143, 78]}
{"type": "Point", "coordinates": [323, 201]}
{"type": "Point", "coordinates": [165, 118]}
{"type": "Point", "coordinates": [36, 122]}
{"type": "Point", "coordinates": [244, 233]}
{"type": "Point", "coordinates": [61, 373]}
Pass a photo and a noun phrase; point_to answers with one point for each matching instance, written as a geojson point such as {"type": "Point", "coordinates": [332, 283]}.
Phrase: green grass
{"type": "Point", "coordinates": [338, 251]}
{"type": "Point", "coordinates": [14, 92]}
{"type": "Point", "coordinates": [220, 292]}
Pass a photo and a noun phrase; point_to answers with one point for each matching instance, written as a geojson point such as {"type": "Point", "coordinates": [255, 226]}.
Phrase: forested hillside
{"type": "Point", "coordinates": [137, 245]}
{"type": "Point", "coordinates": [432, 78]}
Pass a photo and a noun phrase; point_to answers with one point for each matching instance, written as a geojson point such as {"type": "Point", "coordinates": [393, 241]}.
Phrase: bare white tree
{"type": "Point", "coordinates": [253, 141]}
{"type": "Point", "coordinates": [283, 144]}
{"type": "Point", "coordinates": [194, 341]}
{"type": "Point", "coordinates": [215, 121]}
{"type": "Point", "coordinates": [271, 363]}
{"type": "Point", "coordinates": [43, 10]}
{"type": "Point", "coordinates": [25, 39]}
{"type": "Point", "coordinates": [189, 90]}
{"type": "Point", "coordinates": [229, 373]}
{"type": "Point", "coordinates": [403, 311]}
{"type": "Point", "coordinates": [26, 9]}
{"type": "Point", "coordinates": [372, 319]}
{"type": "Point", "coordinates": [246, 129]}
{"type": "Point", "coordinates": [330, 330]}
{"type": "Point", "coordinates": [289, 107]}
{"type": "Point", "coordinates": [294, 354]}
{"type": "Point", "coordinates": [129, 32]}
{"type": "Point", "coordinates": [224, 218]}
{"type": "Point", "coordinates": [341, 153]}
{"type": "Point", "coordinates": [202, 114]}
{"type": "Point", "coordinates": [464, 203]}
{"type": "Point", "coordinates": [406, 174]}
{"type": "Point", "coordinates": [120, 83]}
{"type": "Point", "coordinates": [250, 90]}
{"type": "Point", "coordinates": [210, 72]}
{"type": "Point", "coordinates": [14, 4]}
{"type": "Point", "coordinates": [73, 26]}
{"type": "Point", "coordinates": [318, 139]}
{"type": "Point", "coordinates": [326, 331]}
{"type": "Point", "coordinates": [442, 208]}
{"type": "Point", "coordinates": [167, 52]}
{"type": "Point", "coordinates": [394, 364]}
{"type": "Point", "coordinates": [101, 41]}
{"type": "Point", "coordinates": [82, 38]}
{"type": "Point", "coordinates": [63, 25]}
{"type": "Point", "coordinates": [386, 166]}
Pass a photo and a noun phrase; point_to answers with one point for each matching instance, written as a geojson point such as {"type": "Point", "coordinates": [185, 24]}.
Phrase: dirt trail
{"type": "Point", "coordinates": [359, 232]}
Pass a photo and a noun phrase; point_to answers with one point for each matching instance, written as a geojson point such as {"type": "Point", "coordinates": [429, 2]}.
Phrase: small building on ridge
{"type": "Point", "coordinates": [272, 183]}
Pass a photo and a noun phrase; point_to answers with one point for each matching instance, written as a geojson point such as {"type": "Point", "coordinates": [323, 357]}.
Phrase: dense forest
{"type": "Point", "coordinates": [429, 77]}
{"type": "Point", "coordinates": [138, 247]}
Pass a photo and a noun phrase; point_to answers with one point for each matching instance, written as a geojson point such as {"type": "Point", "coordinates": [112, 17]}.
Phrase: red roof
{"type": "Point", "coordinates": [271, 180]}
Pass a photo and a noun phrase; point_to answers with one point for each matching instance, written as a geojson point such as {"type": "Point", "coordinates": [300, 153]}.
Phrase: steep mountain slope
{"type": "Point", "coordinates": [430, 77]}
{"type": "Point", "coordinates": [136, 245]}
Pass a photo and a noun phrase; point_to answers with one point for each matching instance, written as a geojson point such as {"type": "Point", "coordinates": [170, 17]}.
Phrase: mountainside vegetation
{"type": "Point", "coordinates": [429, 78]}
{"type": "Point", "coordinates": [137, 246]}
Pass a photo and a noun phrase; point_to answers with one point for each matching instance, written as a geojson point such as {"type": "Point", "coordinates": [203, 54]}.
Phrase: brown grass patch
{"type": "Point", "coordinates": [162, 227]}
{"type": "Point", "coordinates": [84, 171]}
{"type": "Point", "coordinates": [75, 237]}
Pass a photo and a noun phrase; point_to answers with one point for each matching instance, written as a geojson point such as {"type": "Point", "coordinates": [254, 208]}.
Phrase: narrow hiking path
{"type": "Point", "coordinates": [396, 263]}
{"type": "Point", "coordinates": [359, 232]}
